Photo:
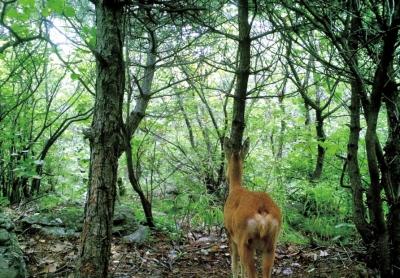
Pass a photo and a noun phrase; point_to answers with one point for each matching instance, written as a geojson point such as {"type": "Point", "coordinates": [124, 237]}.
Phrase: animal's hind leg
{"type": "Point", "coordinates": [268, 262]}
{"type": "Point", "coordinates": [234, 259]}
{"type": "Point", "coordinates": [247, 260]}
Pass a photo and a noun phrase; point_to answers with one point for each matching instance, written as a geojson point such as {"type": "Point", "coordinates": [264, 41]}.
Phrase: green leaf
{"type": "Point", "coordinates": [46, 11]}
{"type": "Point", "coordinates": [69, 11]}
{"type": "Point", "coordinates": [19, 29]}
{"type": "Point", "coordinates": [92, 42]}
{"type": "Point", "coordinates": [27, 3]}
{"type": "Point", "coordinates": [74, 76]}
{"type": "Point", "coordinates": [56, 5]}
{"type": "Point", "coordinates": [12, 13]}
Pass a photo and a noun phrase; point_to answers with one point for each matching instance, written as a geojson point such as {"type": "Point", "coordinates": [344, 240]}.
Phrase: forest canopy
{"type": "Point", "coordinates": [110, 104]}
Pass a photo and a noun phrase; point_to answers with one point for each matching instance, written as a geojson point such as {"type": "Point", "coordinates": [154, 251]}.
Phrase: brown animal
{"type": "Point", "coordinates": [252, 219]}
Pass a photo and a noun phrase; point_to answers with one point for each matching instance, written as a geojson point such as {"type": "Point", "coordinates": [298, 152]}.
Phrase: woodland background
{"type": "Point", "coordinates": [107, 104]}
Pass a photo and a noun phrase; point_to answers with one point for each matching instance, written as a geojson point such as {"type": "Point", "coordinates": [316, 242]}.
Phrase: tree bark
{"type": "Point", "coordinates": [321, 137]}
{"type": "Point", "coordinates": [242, 75]}
{"type": "Point", "coordinates": [359, 209]}
{"type": "Point", "coordinates": [105, 141]}
{"type": "Point", "coordinates": [392, 156]}
{"type": "Point", "coordinates": [146, 205]}
{"type": "Point", "coordinates": [134, 119]}
{"type": "Point", "coordinates": [381, 82]}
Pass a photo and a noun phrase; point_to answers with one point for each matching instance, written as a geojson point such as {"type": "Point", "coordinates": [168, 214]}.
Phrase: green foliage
{"type": "Point", "coordinates": [39, 92]}
{"type": "Point", "coordinates": [49, 202]}
{"type": "Point", "coordinates": [4, 202]}
{"type": "Point", "coordinates": [292, 235]}
{"type": "Point", "coordinates": [72, 216]}
{"type": "Point", "coordinates": [320, 212]}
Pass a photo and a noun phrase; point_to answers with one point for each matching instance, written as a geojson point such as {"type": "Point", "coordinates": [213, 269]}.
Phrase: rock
{"type": "Point", "coordinates": [172, 190]}
{"type": "Point", "coordinates": [60, 226]}
{"type": "Point", "coordinates": [124, 221]}
{"type": "Point", "coordinates": [58, 232]}
{"type": "Point", "coordinates": [72, 218]}
{"type": "Point", "coordinates": [42, 220]}
{"type": "Point", "coordinates": [287, 271]}
{"type": "Point", "coordinates": [55, 232]}
{"type": "Point", "coordinates": [68, 221]}
{"type": "Point", "coordinates": [4, 237]}
{"type": "Point", "coordinates": [138, 237]}
{"type": "Point", "coordinates": [123, 215]}
{"type": "Point", "coordinates": [6, 223]}
{"type": "Point", "coordinates": [12, 263]}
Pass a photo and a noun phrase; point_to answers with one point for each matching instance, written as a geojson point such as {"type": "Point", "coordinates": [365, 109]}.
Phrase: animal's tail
{"type": "Point", "coordinates": [267, 225]}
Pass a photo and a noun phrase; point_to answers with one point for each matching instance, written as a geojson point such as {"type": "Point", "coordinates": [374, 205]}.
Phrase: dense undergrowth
{"type": "Point", "coordinates": [316, 214]}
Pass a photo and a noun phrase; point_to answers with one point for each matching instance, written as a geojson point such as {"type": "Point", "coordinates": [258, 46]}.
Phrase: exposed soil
{"type": "Point", "coordinates": [198, 256]}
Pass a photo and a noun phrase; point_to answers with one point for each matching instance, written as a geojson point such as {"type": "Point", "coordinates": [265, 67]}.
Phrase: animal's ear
{"type": "Point", "coordinates": [245, 148]}
{"type": "Point", "coordinates": [227, 147]}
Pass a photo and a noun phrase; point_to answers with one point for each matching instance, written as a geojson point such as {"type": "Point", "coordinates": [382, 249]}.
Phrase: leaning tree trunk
{"type": "Point", "coordinates": [135, 118]}
{"type": "Point", "coordinates": [146, 204]}
{"type": "Point", "coordinates": [104, 141]}
{"type": "Point", "coordinates": [36, 182]}
{"type": "Point", "coordinates": [242, 75]}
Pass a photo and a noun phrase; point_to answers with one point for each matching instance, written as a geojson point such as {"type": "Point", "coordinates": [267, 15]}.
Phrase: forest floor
{"type": "Point", "coordinates": [201, 255]}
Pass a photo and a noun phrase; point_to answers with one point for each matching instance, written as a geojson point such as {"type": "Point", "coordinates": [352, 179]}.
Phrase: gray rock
{"type": "Point", "coordinates": [172, 190]}
{"type": "Point", "coordinates": [123, 215]}
{"type": "Point", "coordinates": [6, 223]}
{"type": "Point", "coordinates": [138, 237]}
{"type": "Point", "coordinates": [42, 220]}
{"type": "Point", "coordinates": [124, 221]}
{"type": "Point", "coordinates": [12, 263]}
{"type": "Point", "coordinates": [4, 237]}
{"type": "Point", "coordinates": [57, 232]}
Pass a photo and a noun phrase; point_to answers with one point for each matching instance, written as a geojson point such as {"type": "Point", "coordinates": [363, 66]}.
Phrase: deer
{"type": "Point", "coordinates": [252, 219]}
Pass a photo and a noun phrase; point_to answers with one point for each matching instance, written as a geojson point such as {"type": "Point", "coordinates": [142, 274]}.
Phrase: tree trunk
{"type": "Point", "coordinates": [359, 209]}
{"type": "Point", "coordinates": [282, 127]}
{"type": "Point", "coordinates": [35, 186]}
{"type": "Point", "coordinates": [105, 141]}
{"type": "Point", "coordinates": [134, 119]}
{"type": "Point", "coordinates": [242, 75]}
{"type": "Point", "coordinates": [392, 157]}
{"type": "Point", "coordinates": [15, 195]}
{"type": "Point", "coordinates": [146, 205]}
{"type": "Point", "coordinates": [36, 182]}
{"type": "Point", "coordinates": [321, 137]}
{"type": "Point", "coordinates": [374, 198]}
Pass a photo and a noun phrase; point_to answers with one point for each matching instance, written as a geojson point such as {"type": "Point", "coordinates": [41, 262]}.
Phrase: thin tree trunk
{"type": "Point", "coordinates": [135, 118]}
{"type": "Point", "coordinates": [242, 75]}
{"type": "Point", "coordinates": [105, 141]}
{"type": "Point", "coordinates": [375, 203]}
{"type": "Point", "coordinates": [359, 209]}
{"type": "Point", "coordinates": [282, 127]}
{"type": "Point", "coordinates": [36, 182]}
{"type": "Point", "coordinates": [187, 122]}
{"type": "Point", "coordinates": [321, 137]}
{"type": "Point", "coordinates": [146, 205]}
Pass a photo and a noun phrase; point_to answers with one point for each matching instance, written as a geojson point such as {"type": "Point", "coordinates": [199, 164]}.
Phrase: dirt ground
{"type": "Point", "coordinates": [198, 256]}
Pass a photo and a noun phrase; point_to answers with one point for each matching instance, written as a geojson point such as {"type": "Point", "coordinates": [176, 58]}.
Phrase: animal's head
{"type": "Point", "coordinates": [239, 153]}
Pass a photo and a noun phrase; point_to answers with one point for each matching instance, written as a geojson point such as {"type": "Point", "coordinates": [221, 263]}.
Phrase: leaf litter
{"type": "Point", "coordinates": [206, 255]}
